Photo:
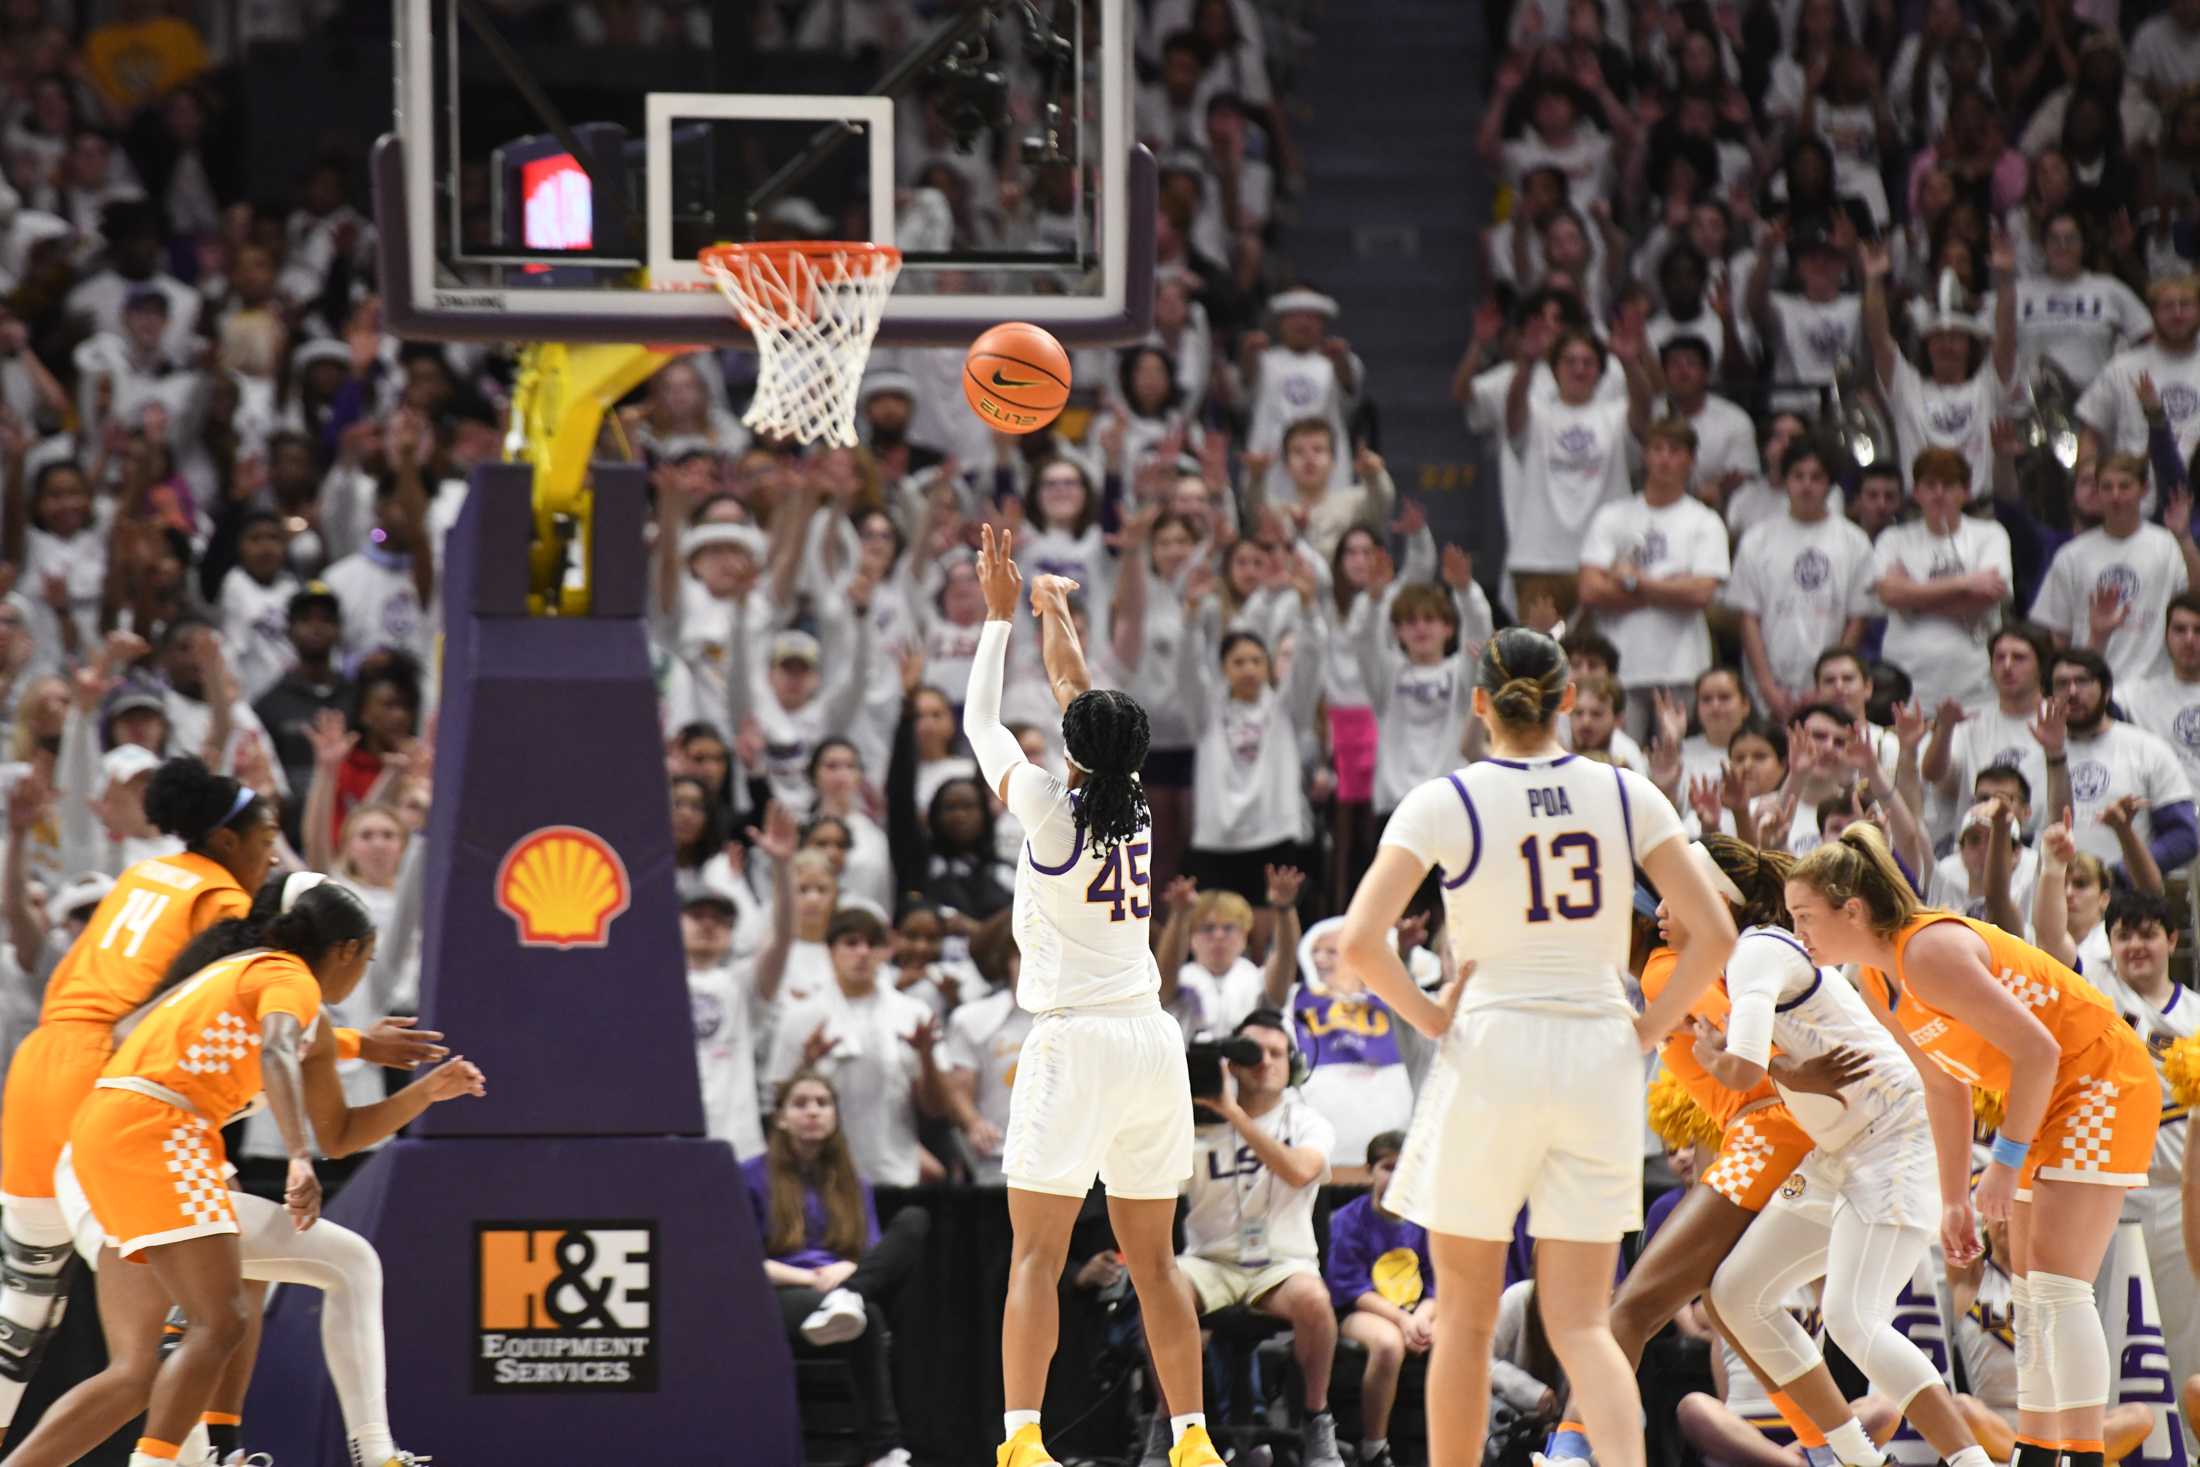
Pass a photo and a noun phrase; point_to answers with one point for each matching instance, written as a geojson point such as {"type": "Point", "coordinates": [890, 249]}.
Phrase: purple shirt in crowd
{"type": "Point", "coordinates": [1363, 1242]}
{"type": "Point", "coordinates": [812, 1253]}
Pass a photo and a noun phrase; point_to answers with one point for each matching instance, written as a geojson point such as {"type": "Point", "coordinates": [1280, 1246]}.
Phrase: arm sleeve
{"type": "Point", "coordinates": [995, 747]}
{"type": "Point", "coordinates": [2175, 837]}
{"type": "Point", "coordinates": [1758, 977]}
{"type": "Point", "coordinates": [1438, 824]}
{"type": "Point", "coordinates": [76, 770]}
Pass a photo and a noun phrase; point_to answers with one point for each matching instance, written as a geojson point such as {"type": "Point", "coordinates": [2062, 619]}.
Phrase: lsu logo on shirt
{"type": "Point", "coordinates": [565, 1306]}
{"type": "Point", "coordinates": [2121, 580]}
{"type": "Point", "coordinates": [1813, 569]}
{"type": "Point", "coordinates": [2179, 401]}
{"type": "Point", "coordinates": [2187, 726]}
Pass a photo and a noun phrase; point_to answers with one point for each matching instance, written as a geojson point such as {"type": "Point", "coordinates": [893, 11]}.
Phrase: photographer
{"type": "Point", "coordinates": [1262, 1154]}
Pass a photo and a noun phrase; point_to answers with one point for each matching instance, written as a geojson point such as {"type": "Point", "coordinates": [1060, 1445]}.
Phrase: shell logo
{"type": "Point", "coordinates": [563, 887]}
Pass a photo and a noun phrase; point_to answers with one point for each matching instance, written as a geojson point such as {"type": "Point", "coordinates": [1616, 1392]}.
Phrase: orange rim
{"type": "Point", "coordinates": [731, 256]}
{"type": "Point", "coordinates": [855, 259]}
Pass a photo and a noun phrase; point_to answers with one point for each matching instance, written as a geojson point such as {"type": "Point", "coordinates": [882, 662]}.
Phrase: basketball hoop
{"type": "Point", "coordinates": [813, 309]}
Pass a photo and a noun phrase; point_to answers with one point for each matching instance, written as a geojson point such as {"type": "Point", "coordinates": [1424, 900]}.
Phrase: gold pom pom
{"type": "Point", "coordinates": [2181, 1067]}
{"type": "Point", "coordinates": [1986, 1106]}
{"type": "Point", "coordinates": [1677, 1119]}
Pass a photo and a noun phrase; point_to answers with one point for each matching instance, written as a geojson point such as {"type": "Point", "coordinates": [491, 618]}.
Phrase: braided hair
{"type": "Point", "coordinates": [1525, 673]}
{"type": "Point", "coordinates": [1106, 735]}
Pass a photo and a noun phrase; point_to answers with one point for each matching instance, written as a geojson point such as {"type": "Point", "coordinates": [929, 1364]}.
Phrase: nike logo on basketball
{"type": "Point", "coordinates": [1000, 381]}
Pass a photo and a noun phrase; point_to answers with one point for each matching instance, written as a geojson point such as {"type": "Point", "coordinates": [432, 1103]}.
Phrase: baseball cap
{"type": "Point", "coordinates": [883, 380]}
{"type": "Point", "coordinates": [716, 900]}
{"type": "Point", "coordinates": [132, 695]}
{"type": "Point", "coordinates": [1302, 300]}
{"type": "Point", "coordinates": [77, 893]}
{"type": "Point", "coordinates": [125, 762]}
{"type": "Point", "coordinates": [315, 595]}
{"type": "Point", "coordinates": [794, 646]}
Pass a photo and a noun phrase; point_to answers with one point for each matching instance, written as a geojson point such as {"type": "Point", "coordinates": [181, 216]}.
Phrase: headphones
{"type": "Point", "coordinates": [1267, 1018]}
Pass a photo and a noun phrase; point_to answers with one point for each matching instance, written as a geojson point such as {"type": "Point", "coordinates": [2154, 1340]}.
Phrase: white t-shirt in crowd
{"type": "Point", "coordinates": [1532, 543]}
{"type": "Point", "coordinates": [2166, 55]}
{"type": "Point", "coordinates": [1222, 999]}
{"type": "Point", "coordinates": [871, 1064]}
{"type": "Point", "coordinates": [2110, 405]}
{"type": "Point", "coordinates": [1586, 162]}
{"type": "Point", "coordinates": [2076, 324]}
{"type": "Point", "coordinates": [2120, 759]}
{"type": "Point", "coordinates": [1950, 885]}
{"type": "Point", "coordinates": [729, 1018]}
{"type": "Point", "coordinates": [1234, 1198]}
{"type": "Point", "coordinates": [256, 629]}
{"type": "Point", "coordinates": [2145, 569]}
{"type": "Point", "coordinates": [1726, 442]}
{"type": "Point", "coordinates": [1292, 385]}
{"type": "Point", "coordinates": [1814, 336]}
{"type": "Point", "coordinates": [1944, 654]}
{"type": "Point", "coordinates": [1705, 326]}
{"type": "Point", "coordinates": [986, 1038]}
{"type": "Point", "coordinates": [1929, 414]}
{"type": "Point", "coordinates": [2169, 708]}
{"type": "Point", "coordinates": [380, 603]}
{"type": "Point", "coordinates": [1803, 581]}
{"type": "Point", "coordinates": [1988, 737]}
{"type": "Point", "coordinates": [1575, 460]}
{"type": "Point", "coordinates": [1658, 646]}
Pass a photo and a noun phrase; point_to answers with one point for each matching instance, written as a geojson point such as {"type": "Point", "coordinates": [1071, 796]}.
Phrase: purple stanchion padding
{"type": "Point", "coordinates": [551, 955]}
{"type": "Point", "coordinates": [571, 1272]}
{"type": "Point", "coordinates": [692, 1322]}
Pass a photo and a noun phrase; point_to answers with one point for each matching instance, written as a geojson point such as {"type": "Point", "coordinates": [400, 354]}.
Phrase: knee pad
{"type": "Point", "coordinates": [33, 1296]}
{"type": "Point", "coordinates": [2032, 1391]}
{"type": "Point", "coordinates": [2073, 1366]}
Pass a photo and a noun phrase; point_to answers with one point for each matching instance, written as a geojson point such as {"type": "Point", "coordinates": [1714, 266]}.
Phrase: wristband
{"type": "Point", "coordinates": [2009, 1151]}
{"type": "Point", "coordinates": [2057, 761]}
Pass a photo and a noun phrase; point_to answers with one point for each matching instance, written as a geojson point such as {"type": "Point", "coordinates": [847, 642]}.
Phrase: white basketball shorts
{"type": "Point", "coordinates": [1101, 1095]}
{"type": "Point", "coordinates": [1528, 1106]}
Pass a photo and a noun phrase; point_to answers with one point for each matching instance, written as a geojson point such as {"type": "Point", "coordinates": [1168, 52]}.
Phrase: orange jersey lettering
{"type": "Point", "coordinates": [1678, 1054]}
{"type": "Point", "coordinates": [2073, 1010]}
{"type": "Point", "coordinates": [135, 933]}
{"type": "Point", "coordinates": [203, 1040]}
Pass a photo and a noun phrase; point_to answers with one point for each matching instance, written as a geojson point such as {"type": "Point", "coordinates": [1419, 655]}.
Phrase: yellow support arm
{"type": "Point", "coordinates": [558, 407]}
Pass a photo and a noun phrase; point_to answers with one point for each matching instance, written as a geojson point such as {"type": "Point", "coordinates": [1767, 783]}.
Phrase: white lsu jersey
{"type": "Point", "coordinates": [1538, 859]}
{"type": "Point", "coordinates": [2159, 1028]}
{"type": "Point", "coordinates": [1082, 916]}
{"type": "Point", "coordinates": [1780, 997]}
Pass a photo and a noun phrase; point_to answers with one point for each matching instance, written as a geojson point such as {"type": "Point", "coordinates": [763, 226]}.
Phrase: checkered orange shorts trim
{"type": "Point", "coordinates": [153, 1174]}
{"type": "Point", "coordinates": [2102, 1120]}
{"type": "Point", "coordinates": [1761, 1149]}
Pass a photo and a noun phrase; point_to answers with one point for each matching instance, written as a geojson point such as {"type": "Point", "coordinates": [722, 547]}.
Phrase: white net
{"type": "Point", "coordinates": [813, 310]}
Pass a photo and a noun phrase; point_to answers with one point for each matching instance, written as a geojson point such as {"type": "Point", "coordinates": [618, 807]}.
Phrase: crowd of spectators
{"type": "Point", "coordinates": [1833, 360]}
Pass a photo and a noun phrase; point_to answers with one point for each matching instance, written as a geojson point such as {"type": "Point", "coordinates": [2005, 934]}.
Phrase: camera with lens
{"type": "Point", "coordinates": [1204, 1059]}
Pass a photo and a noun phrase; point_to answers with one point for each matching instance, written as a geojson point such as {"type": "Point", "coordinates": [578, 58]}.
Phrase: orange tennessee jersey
{"type": "Point", "coordinates": [136, 931]}
{"type": "Point", "coordinates": [1678, 1054]}
{"type": "Point", "coordinates": [2073, 1010]}
{"type": "Point", "coordinates": [203, 1041]}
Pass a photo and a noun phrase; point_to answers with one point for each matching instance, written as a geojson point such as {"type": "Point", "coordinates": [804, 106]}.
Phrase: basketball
{"type": "Point", "coordinates": [1016, 377]}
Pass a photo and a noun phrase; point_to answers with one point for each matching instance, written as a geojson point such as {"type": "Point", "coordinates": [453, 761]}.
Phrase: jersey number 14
{"type": "Point", "coordinates": [1586, 879]}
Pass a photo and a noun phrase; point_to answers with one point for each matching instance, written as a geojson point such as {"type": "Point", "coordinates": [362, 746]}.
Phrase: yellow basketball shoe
{"type": "Point", "coordinates": [1024, 1449]}
{"type": "Point", "coordinates": [1195, 1450]}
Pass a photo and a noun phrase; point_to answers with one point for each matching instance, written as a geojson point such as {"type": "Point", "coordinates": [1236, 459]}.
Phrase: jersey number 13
{"type": "Point", "coordinates": [1583, 896]}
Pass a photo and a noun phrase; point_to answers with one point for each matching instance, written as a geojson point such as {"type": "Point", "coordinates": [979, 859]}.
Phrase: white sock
{"type": "Point", "coordinates": [1373, 1445]}
{"type": "Point", "coordinates": [1971, 1456]}
{"type": "Point", "coordinates": [1854, 1447]}
{"type": "Point", "coordinates": [139, 1459]}
{"type": "Point", "coordinates": [372, 1445]}
{"type": "Point", "coordinates": [1015, 1421]}
{"type": "Point", "coordinates": [1178, 1425]}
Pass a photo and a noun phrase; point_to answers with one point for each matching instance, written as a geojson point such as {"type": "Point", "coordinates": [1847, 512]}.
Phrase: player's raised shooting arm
{"type": "Point", "coordinates": [996, 748]}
